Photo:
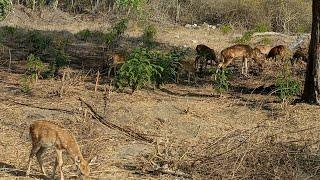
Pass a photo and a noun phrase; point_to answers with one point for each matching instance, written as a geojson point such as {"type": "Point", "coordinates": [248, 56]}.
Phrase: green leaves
{"type": "Point", "coordinates": [131, 3]}
{"type": "Point", "coordinates": [6, 7]}
{"type": "Point", "coordinates": [145, 67]}
{"type": "Point", "coordinates": [220, 80]}
{"type": "Point", "coordinates": [286, 86]}
{"type": "Point", "coordinates": [138, 71]}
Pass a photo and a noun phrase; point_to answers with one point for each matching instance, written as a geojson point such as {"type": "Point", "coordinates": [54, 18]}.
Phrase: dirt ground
{"type": "Point", "coordinates": [181, 119]}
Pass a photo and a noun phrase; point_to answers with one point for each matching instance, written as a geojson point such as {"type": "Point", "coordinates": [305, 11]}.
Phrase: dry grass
{"type": "Point", "coordinates": [244, 134]}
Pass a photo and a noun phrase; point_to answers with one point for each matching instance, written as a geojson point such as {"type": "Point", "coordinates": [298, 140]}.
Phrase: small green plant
{"type": "Point", "coordinates": [61, 59]}
{"type": "Point", "coordinates": [302, 29]}
{"type": "Point", "coordinates": [149, 35]}
{"type": "Point", "coordinates": [26, 84]}
{"type": "Point", "coordinates": [35, 66]}
{"type": "Point", "coordinates": [116, 31]}
{"type": "Point", "coordinates": [6, 6]}
{"type": "Point", "coordinates": [266, 41]}
{"type": "Point", "coordinates": [10, 30]}
{"type": "Point", "coordinates": [286, 86]}
{"type": "Point", "coordinates": [261, 27]}
{"type": "Point", "coordinates": [39, 42]}
{"type": "Point", "coordinates": [245, 38]}
{"type": "Point", "coordinates": [138, 70]}
{"type": "Point", "coordinates": [226, 28]}
{"type": "Point", "coordinates": [120, 27]}
{"type": "Point", "coordinates": [84, 35]}
{"type": "Point", "coordinates": [220, 79]}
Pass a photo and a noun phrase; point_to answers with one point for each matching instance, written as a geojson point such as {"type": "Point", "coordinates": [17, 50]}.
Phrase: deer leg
{"type": "Point", "coordinates": [60, 163]}
{"type": "Point", "coordinates": [196, 62]}
{"type": "Point", "coordinates": [54, 168]}
{"type": "Point", "coordinates": [115, 71]}
{"type": "Point", "coordinates": [39, 158]}
{"type": "Point", "coordinates": [177, 77]}
{"type": "Point", "coordinates": [109, 72]}
{"type": "Point", "coordinates": [246, 65]}
{"type": "Point", "coordinates": [189, 77]}
{"type": "Point", "coordinates": [242, 67]}
{"type": "Point", "coordinates": [35, 148]}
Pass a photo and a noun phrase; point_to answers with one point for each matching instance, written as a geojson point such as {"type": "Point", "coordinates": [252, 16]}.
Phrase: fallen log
{"type": "Point", "coordinates": [127, 131]}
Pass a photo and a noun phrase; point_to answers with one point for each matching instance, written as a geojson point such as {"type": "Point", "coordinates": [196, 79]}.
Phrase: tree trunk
{"type": "Point", "coordinates": [312, 82]}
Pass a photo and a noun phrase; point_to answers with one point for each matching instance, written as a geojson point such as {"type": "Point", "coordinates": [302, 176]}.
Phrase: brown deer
{"type": "Point", "coordinates": [207, 53]}
{"type": "Point", "coordinates": [300, 54]}
{"type": "Point", "coordinates": [240, 51]}
{"type": "Point", "coordinates": [277, 51]}
{"type": "Point", "coordinates": [264, 49]}
{"type": "Point", "coordinates": [45, 134]}
{"type": "Point", "coordinates": [186, 66]}
{"type": "Point", "coordinates": [114, 61]}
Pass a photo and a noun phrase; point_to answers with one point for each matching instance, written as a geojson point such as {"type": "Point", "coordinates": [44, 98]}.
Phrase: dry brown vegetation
{"type": "Point", "coordinates": [186, 131]}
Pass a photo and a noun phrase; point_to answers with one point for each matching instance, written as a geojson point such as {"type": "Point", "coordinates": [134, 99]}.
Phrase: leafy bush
{"type": "Point", "coordinates": [60, 60]}
{"type": "Point", "coordinates": [35, 66]}
{"type": "Point", "coordinates": [9, 30]}
{"type": "Point", "coordinates": [220, 79]}
{"type": "Point", "coordinates": [26, 84]}
{"type": "Point", "coordinates": [226, 28]}
{"type": "Point", "coordinates": [245, 38]}
{"type": "Point", "coordinates": [117, 30]}
{"type": "Point", "coordinates": [261, 27]}
{"type": "Point", "coordinates": [6, 7]}
{"type": "Point", "coordinates": [84, 35]}
{"type": "Point", "coordinates": [39, 42]}
{"type": "Point", "coordinates": [148, 35]}
{"type": "Point", "coordinates": [129, 3]}
{"type": "Point", "coordinates": [266, 41]}
{"type": "Point", "coordinates": [286, 86]}
{"type": "Point", "coordinates": [169, 63]}
{"type": "Point", "coordinates": [138, 70]}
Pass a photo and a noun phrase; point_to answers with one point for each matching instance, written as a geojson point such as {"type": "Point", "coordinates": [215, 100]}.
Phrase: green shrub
{"type": "Point", "coordinates": [116, 32]}
{"type": "Point", "coordinates": [245, 38]}
{"type": "Point", "coordinates": [138, 70]}
{"type": "Point", "coordinates": [39, 42]}
{"type": "Point", "coordinates": [266, 41]}
{"type": "Point", "coordinates": [61, 59]}
{"type": "Point", "coordinates": [226, 28]}
{"type": "Point", "coordinates": [120, 27]}
{"type": "Point", "coordinates": [261, 27]}
{"type": "Point", "coordinates": [26, 84]}
{"type": "Point", "coordinates": [286, 86]}
{"type": "Point", "coordinates": [220, 79]}
{"type": "Point", "coordinates": [6, 7]}
{"type": "Point", "coordinates": [9, 31]}
{"type": "Point", "coordinates": [149, 35]}
{"type": "Point", "coordinates": [35, 66]}
{"type": "Point", "coordinates": [84, 35]}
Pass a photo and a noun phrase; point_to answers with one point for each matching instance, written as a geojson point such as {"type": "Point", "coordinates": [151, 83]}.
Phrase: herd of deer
{"type": "Point", "coordinates": [207, 56]}
{"type": "Point", "coordinates": [45, 134]}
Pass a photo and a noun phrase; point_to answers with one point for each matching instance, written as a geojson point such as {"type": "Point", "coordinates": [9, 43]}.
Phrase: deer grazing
{"type": "Point", "coordinates": [114, 61]}
{"type": "Point", "coordinates": [240, 51]}
{"type": "Point", "coordinates": [207, 53]}
{"type": "Point", "coordinates": [45, 134]}
{"type": "Point", "coordinates": [277, 51]}
{"type": "Point", "coordinates": [300, 54]}
{"type": "Point", "coordinates": [264, 49]}
{"type": "Point", "coordinates": [186, 66]}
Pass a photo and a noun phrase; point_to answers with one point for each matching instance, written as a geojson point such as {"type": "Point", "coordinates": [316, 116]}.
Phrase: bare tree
{"type": "Point", "coordinates": [312, 82]}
